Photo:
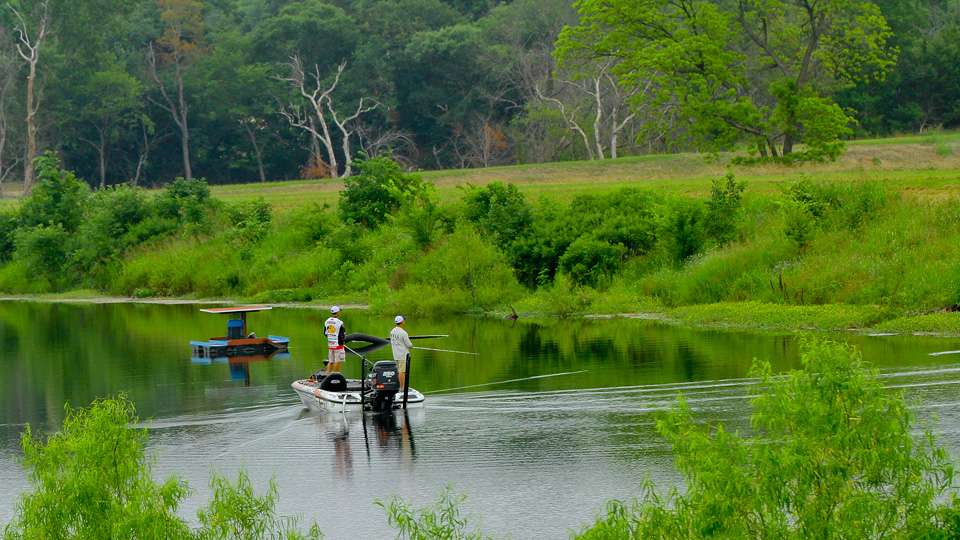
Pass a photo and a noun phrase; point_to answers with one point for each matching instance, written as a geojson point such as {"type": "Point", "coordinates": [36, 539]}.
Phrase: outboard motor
{"type": "Point", "coordinates": [384, 382]}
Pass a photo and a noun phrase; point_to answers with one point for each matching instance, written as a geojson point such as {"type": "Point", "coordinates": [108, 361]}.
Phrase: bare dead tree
{"type": "Point", "coordinates": [398, 145]}
{"type": "Point", "coordinates": [320, 99]}
{"type": "Point", "coordinates": [609, 104]}
{"type": "Point", "coordinates": [486, 144]}
{"type": "Point", "coordinates": [28, 47]}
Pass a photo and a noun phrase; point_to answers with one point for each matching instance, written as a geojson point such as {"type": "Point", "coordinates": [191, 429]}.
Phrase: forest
{"type": "Point", "coordinates": [145, 91]}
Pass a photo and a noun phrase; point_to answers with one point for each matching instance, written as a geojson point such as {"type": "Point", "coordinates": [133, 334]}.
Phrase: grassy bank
{"type": "Point", "coordinates": [867, 242]}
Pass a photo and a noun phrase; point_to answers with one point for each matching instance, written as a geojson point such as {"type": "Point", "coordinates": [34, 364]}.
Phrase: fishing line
{"type": "Point", "coordinates": [509, 381]}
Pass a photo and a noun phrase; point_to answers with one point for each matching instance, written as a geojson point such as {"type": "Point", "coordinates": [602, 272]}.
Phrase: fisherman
{"type": "Point", "coordinates": [400, 342]}
{"type": "Point", "coordinates": [336, 334]}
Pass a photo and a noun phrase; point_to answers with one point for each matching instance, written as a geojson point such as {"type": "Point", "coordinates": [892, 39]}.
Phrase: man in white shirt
{"type": "Point", "coordinates": [400, 342]}
{"type": "Point", "coordinates": [334, 330]}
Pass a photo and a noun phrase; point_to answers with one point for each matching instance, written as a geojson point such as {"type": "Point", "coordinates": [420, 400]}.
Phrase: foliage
{"type": "Point", "coordinates": [499, 210]}
{"type": "Point", "coordinates": [58, 198]}
{"type": "Point", "coordinates": [93, 480]}
{"type": "Point", "coordinates": [723, 209]}
{"type": "Point", "coordinates": [589, 261]}
{"type": "Point", "coordinates": [759, 72]}
{"type": "Point", "coordinates": [44, 249]}
{"type": "Point", "coordinates": [378, 188]}
{"type": "Point", "coordinates": [832, 454]}
{"type": "Point", "coordinates": [683, 231]}
{"type": "Point", "coordinates": [237, 513]}
{"type": "Point", "coordinates": [441, 521]}
{"type": "Point", "coordinates": [185, 201]}
{"type": "Point", "coordinates": [251, 219]}
{"type": "Point", "coordinates": [8, 227]}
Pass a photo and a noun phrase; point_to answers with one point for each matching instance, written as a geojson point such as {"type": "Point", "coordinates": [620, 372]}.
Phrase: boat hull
{"type": "Point", "coordinates": [319, 400]}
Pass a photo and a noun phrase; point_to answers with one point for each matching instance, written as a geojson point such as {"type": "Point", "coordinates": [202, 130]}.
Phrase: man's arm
{"type": "Point", "coordinates": [342, 337]}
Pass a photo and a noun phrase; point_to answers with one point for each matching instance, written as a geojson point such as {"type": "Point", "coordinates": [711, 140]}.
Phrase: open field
{"type": "Point", "coordinates": [925, 166]}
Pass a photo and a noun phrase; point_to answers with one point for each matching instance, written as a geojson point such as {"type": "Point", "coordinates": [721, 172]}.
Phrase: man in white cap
{"type": "Point", "coordinates": [335, 332]}
{"type": "Point", "coordinates": [400, 342]}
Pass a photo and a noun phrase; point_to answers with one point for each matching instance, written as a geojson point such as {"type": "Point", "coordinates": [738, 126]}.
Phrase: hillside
{"type": "Point", "coordinates": [926, 166]}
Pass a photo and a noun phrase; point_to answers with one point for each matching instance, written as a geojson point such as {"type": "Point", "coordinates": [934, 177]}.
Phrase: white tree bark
{"type": "Point", "coordinates": [321, 104]}
{"type": "Point", "coordinates": [28, 47]}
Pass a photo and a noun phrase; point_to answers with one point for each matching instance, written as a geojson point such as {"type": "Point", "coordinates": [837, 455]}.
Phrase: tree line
{"type": "Point", "coordinates": [143, 91]}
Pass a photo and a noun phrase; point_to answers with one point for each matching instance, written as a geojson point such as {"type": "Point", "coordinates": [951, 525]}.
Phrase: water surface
{"type": "Point", "coordinates": [547, 423]}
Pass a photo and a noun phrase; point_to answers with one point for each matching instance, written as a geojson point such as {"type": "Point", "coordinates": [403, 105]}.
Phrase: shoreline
{"type": "Point", "coordinates": [731, 316]}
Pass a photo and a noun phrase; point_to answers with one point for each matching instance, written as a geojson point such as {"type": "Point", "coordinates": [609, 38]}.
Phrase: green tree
{"type": "Point", "coordinates": [832, 454]}
{"type": "Point", "coordinates": [378, 188]}
{"type": "Point", "coordinates": [760, 71]}
{"type": "Point", "coordinates": [58, 198]}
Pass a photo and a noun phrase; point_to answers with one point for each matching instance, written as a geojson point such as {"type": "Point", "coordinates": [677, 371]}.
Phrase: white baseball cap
{"type": "Point", "coordinates": [398, 319]}
{"type": "Point", "coordinates": [334, 309]}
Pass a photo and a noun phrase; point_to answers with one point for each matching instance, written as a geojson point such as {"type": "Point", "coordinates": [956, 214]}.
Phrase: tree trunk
{"type": "Point", "coordinates": [103, 160]}
{"type": "Point", "coordinates": [256, 150]}
{"type": "Point", "coordinates": [184, 127]}
{"type": "Point", "coordinates": [31, 149]}
{"type": "Point", "coordinates": [788, 143]}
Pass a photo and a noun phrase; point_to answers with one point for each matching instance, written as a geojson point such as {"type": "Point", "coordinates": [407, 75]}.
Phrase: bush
{"type": "Point", "coordinates": [8, 229]}
{"type": "Point", "coordinates": [590, 262]}
{"type": "Point", "coordinates": [683, 231]}
{"type": "Point", "coordinates": [58, 198]}
{"type": "Point", "coordinates": [723, 209]}
{"type": "Point", "coordinates": [111, 216]}
{"type": "Point", "coordinates": [251, 219]}
{"type": "Point", "coordinates": [832, 455]}
{"type": "Point", "coordinates": [45, 250]}
{"type": "Point", "coordinates": [500, 211]}
{"type": "Point", "coordinates": [378, 188]}
{"type": "Point", "coordinates": [93, 480]}
{"type": "Point", "coordinates": [184, 201]}
{"type": "Point", "coordinates": [441, 521]}
{"type": "Point", "coordinates": [465, 263]}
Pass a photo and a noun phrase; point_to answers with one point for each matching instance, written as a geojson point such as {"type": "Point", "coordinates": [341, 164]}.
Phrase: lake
{"type": "Point", "coordinates": [548, 422]}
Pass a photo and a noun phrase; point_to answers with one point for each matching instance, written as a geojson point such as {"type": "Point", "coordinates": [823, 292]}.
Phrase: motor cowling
{"type": "Point", "coordinates": [384, 378]}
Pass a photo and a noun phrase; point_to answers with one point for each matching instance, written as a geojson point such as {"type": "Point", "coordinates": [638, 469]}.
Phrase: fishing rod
{"type": "Point", "coordinates": [446, 350]}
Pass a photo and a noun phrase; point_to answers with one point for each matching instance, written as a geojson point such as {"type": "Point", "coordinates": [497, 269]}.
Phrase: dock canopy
{"type": "Point", "coordinates": [236, 309]}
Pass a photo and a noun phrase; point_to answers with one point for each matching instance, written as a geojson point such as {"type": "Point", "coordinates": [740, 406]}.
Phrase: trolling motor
{"type": "Point", "coordinates": [384, 383]}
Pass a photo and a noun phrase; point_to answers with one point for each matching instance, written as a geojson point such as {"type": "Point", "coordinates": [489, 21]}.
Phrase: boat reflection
{"type": "Point", "coordinates": [239, 365]}
{"type": "Point", "coordinates": [385, 437]}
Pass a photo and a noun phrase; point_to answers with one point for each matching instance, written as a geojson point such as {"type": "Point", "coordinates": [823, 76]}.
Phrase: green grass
{"type": "Point", "coordinates": [917, 165]}
{"type": "Point", "coordinates": [779, 316]}
{"type": "Point", "coordinates": [934, 323]}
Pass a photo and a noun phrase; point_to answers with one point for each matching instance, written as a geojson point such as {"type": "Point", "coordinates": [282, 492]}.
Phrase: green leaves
{"type": "Point", "coordinates": [831, 454]}
{"type": "Point", "coordinates": [750, 70]}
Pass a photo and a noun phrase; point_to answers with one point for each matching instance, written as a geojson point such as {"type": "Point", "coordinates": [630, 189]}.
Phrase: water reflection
{"type": "Point", "coordinates": [239, 365]}
{"type": "Point", "coordinates": [386, 437]}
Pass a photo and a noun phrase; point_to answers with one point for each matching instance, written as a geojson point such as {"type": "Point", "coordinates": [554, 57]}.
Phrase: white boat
{"type": "Point", "coordinates": [379, 392]}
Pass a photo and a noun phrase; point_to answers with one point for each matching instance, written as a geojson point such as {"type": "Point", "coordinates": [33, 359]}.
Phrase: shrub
{"type": "Point", "coordinates": [8, 229]}
{"type": "Point", "coordinates": [58, 198]}
{"type": "Point", "coordinates": [93, 480]}
{"type": "Point", "coordinates": [377, 189]}
{"type": "Point", "coordinates": [251, 219]}
{"type": "Point", "coordinates": [589, 262]}
{"type": "Point", "coordinates": [500, 211]}
{"type": "Point", "coordinates": [465, 262]}
{"type": "Point", "coordinates": [441, 521]}
{"type": "Point", "coordinates": [683, 231]}
{"type": "Point", "coordinates": [44, 249]}
{"type": "Point", "coordinates": [112, 214]}
{"type": "Point", "coordinates": [832, 455]}
{"type": "Point", "coordinates": [237, 513]}
{"type": "Point", "coordinates": [184, 201]}
{"type": "Point", "coordinates": [723, 209]}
